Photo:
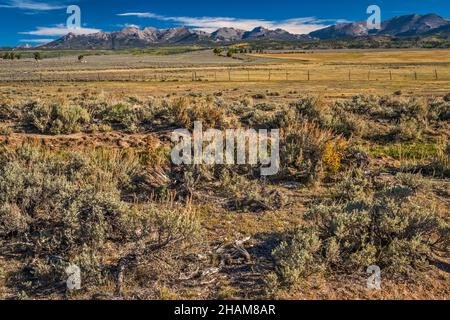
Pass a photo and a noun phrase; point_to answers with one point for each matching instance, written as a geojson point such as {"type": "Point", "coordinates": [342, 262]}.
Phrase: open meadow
{"type": "Point", "coordinates": [86, 176]}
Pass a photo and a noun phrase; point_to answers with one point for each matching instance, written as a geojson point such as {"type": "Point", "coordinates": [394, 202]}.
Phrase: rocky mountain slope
{"type": "Point", "coordinates": [409, 25]}
{"type": "Point", "coordinates": [132, 37]}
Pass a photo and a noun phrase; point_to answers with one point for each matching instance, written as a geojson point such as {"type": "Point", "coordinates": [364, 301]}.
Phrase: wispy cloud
{"type": "Point", "coordinates": [36, 40]}
{"type": "Point", "coordinates": [59, 30]}
{"type": "Point", "coordinates": [31, 5]}
{"type": "Point", "coordinates": [209, 24]}
{"type": "Point", "coordinates": [127, 25]}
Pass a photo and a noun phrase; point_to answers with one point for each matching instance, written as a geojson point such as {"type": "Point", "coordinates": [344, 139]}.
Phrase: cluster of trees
{"type": "Point", "coordinates": [16, 55]}
{"type": "Point", "coordinates": [11, 56]}
{"type": "Point", "coordinates": [218, 51]}
{"type": "Point", "coordinates": [256, 50]}
{"type": "Point", "coordinates": [37, 56]}
{"type": "Point", "coordinates": [231, 51]}
{"type": "Point", "coordinates": [372, 42]}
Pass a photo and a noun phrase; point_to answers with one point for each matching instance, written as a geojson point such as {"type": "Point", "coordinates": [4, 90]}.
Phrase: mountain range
{"type": "Point", "coordinates": [133, 37]}
{"type": "Point", "coordinates": [402, 26]}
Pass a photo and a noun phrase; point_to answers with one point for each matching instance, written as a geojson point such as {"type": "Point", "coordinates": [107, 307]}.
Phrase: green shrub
{"type": "Point", "coordinates": [439, 110]}
{"type": "Point", "coordinates": [360, 104]}
{"type": "Point", "coordinates": [413, 181]}
{"type": "Point", "coordinates": [119, 116]}
{"type": "Point", "coordinates": [8, 112]}
{"type": "Point", "coordinates": [265, 107]}
{"type": "Point", "coordinates": [217, 51]}
{"type": "Point", "coordinates": [440, 163]}
{"type": "Point", "coordinates": [254, 119]}
{"type": "Point", "coordinates": [298, 256]}
{"type": "Point", "coordinates": [392, 108]}
{"type": "Point", "coordinates": [313, 110]}
{"type": "Point", "coordinates": [71, 206]}
{"type": "Point", "coordinates": [12, 219]}
{"type": "Point", "coordinates": [188, 110]}
{"type": "Point", "coordinates": [397, 108]}
{"type": "Point", "coordinates": [354, 184]}
{"type": "Point", "coordinates": [282, 119]}
{"type": "Point", "coordinates": [387, 227]}
{"type": "Point", "coordinates": [347, 124]}
{"type": "Point", "coordinates": [37, 56]}
{"type": "Point", "coordinates": [259, 96]}
{"type": "Point", "coordinates": [406, 130]}
{"type": "Point", "coordinates": [56, 118]}
{"type": "Point", "coordinates": [307, 152]}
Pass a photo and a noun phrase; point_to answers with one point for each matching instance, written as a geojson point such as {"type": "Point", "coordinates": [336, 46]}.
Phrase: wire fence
{"type": "Point", "coordinates": [230, 75]}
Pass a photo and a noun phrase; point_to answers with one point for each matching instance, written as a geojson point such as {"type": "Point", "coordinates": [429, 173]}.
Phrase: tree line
{"type": "Point", "coordinates": [15, 55]}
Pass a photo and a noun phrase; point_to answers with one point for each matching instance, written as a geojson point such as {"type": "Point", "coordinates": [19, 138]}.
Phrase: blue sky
{"type": "Point", "coordinates": [38, 21]}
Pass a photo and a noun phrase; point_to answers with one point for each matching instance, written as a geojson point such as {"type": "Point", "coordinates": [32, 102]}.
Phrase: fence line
{"type": "Point", "coordinates": [229, 75]}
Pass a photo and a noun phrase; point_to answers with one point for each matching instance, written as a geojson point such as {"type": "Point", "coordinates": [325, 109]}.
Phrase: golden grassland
{"type": "Point", "coordinates": [287, 90]}
{"type": "Point", "coordinates": [374, 67]}
{"type": "Point", "coordinates": [365, 57]}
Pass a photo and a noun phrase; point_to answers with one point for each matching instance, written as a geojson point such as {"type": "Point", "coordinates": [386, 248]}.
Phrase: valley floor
{"type": "Point", "coordinates": [241, 219]}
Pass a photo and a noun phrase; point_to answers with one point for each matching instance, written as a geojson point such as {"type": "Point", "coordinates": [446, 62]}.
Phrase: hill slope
{"type": "Point", "coordinates": [409, 25]}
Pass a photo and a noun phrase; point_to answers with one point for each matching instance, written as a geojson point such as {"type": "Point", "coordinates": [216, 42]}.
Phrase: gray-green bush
{"type": "Point", "coordinates": [56, 118]}
{"type": "Point", "coordinates": [386, 226]}
{"type": "Point", "coordinates": [59, 204]}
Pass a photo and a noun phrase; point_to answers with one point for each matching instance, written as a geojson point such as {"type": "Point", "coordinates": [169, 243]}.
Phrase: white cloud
{"type": "Point", "coordinates": [59, 30]}
{"type": "Point", "coordinates": [142, 15]}
{"type": "Point", "coordinates": [36, 40]}
{"type": "Point", "coordinates": [31, 5]}
{"type": "Point", "coordinates": [209, 24]}
{"type": "Point", "coordinates": [128, 25]}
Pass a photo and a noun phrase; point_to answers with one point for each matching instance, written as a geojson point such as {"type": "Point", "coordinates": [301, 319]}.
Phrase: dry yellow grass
{"type": "Point", "coordinates": [390, 66]}
{"type": "Point", "coordinates": [365, 57]}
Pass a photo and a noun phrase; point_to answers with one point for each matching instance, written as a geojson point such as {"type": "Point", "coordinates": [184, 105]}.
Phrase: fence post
{"type": "Point", "coordinates": [390, 75]}
{"type": "Point", "coordinates": [309, 76]}
{"type": "Point", "coordinates": [229, 75]}
{"type": "Point", "coordinates": [415, 75]}
{"type": "Point", "coordinates": [287, 75]}
{"type": "Point", "coordinates": [270, 74]}
{"type": "Point", "coordinates": [349, 75]}
{"type": "Point", "coordinates": [436, 74]}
